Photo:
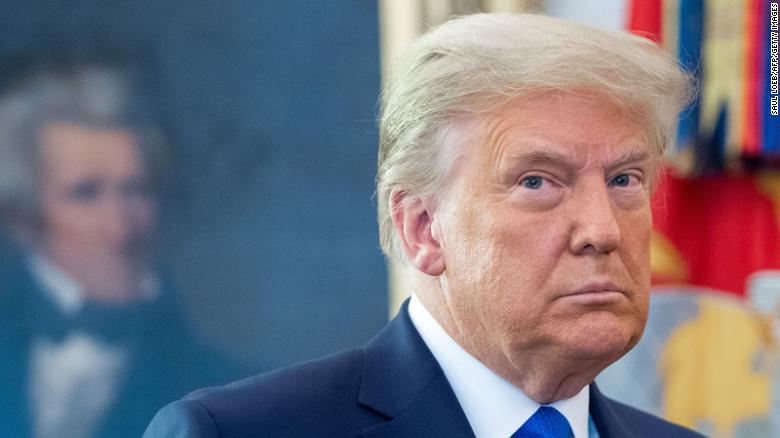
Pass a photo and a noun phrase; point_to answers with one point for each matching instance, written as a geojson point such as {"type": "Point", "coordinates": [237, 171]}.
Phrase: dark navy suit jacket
{"type": "Point", "coordinates": [392, 387]}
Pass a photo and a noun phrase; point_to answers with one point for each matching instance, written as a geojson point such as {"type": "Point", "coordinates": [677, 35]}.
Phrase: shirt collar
{"type": "Point", "coordinates": [56, 284]}
{"type": "Point", "coordinates": [65, 292]}
{"type": "Point", "coordinates": [493, 406]}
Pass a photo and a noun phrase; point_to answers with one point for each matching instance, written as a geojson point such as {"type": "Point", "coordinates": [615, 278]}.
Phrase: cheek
{"type": "Point", "coordinates": [66, 221]}
{"type": "Point", "coordinates": [511, 264]}
{"type": "Point", "coordinates": [143, 216]}
{"type": "Point", "coordinates": [471, 252]}
{"type": "Point", "coordinates": [636, 232]}
{"type": "Point", "coordinates": [469, 249]}
{"type": "Point", "coordinates": [529, 246]}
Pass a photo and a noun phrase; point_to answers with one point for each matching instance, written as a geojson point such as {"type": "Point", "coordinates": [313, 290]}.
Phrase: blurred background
{"type": "Point", "coordinates": [186, 197]}
{"type": "Point", "coordinates": [223, 152]}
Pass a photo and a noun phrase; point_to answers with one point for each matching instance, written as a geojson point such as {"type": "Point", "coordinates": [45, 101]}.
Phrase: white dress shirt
{"type": "Point", "coordinates": [494, 407]}
{"type": "Point", "coordinates": [74, 381]}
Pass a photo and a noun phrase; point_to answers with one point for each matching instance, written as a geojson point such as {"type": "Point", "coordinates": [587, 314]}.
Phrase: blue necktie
{"type": "Point", "coordinates": [546, 422]}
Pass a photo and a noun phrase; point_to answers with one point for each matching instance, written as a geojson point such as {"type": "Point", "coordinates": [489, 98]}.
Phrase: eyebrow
{"type": "Point", "coordinates": [628, 157]}
{"type": "Point", "coordinates": [558, 159]}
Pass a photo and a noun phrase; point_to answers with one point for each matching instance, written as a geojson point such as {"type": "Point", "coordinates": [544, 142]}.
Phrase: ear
{"type": "Point", "coordinates": [413, 221]}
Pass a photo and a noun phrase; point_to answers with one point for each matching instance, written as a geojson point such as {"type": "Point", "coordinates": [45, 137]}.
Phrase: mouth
{"type": "Point", "coordinates": [596, 293]}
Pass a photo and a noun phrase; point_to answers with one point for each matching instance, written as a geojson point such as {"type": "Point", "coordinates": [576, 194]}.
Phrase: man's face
{"type": "Point", "coordinates": [545, 233]}
{"type": "Point", "coordinates": [98, 216]}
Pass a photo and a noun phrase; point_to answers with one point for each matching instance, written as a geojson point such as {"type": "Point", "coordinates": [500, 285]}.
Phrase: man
{"type": "Point", "coordinates": [92, 339]}
{"type": "Point", "coordinates": [517, 158]}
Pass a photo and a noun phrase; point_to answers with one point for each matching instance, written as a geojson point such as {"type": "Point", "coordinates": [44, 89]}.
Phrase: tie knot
{"type": "Point", "coordinates": [546, 422]}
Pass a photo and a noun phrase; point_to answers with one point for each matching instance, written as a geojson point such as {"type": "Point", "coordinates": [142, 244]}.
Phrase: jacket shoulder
{"type": "Point", "coordinates": [318, 398]}
{"type": "Point", "coordinates": [643, 424]}
{"type": "Point", "coordinates": [182, 419]}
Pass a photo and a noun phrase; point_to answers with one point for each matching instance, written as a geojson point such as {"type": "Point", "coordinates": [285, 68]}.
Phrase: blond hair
{"type": "Point", "coordinates": [470, 65]}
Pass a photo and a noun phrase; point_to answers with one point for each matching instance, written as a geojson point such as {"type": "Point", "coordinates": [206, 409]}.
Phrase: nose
{"type": "Point", "coordinates": [594, 225]}
{"type": "Point", "coordinates": [117, 222]}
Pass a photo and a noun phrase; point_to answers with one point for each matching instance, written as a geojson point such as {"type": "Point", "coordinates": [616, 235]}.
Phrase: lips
{"type": "Point", "coordinates": [596, 293]}
{"type": "Point", "coordinates": [597, 287]}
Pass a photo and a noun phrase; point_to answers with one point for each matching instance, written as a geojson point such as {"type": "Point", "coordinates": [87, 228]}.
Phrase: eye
{"type": "Point", "coordinates": [86, 190]}
{"type": "Point", "coordinates": [624, 180]}
{"type": "Point", "coordinates": [532, 182]}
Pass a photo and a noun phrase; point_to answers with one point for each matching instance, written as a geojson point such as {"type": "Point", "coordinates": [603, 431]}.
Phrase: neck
{"type": "Point", "coordinates": [550, 387]}
{"type": "Point", "coordinates": [543, 374]}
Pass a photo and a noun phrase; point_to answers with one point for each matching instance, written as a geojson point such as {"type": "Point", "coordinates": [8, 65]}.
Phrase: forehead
{"type": "Point", "coordinates": [71, 150]}
{"type": "Point", "coordinates": [579, 129]}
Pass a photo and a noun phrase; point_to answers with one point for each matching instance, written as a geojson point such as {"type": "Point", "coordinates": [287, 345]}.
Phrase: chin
{"type": "Point", "coordinates": [603, 336]}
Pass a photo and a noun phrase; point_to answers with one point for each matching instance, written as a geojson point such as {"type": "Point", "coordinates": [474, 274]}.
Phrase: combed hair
{"type": "Point", "coordinates": [477, 63]}
{"type": "Point", "coordinates": [91, 95]}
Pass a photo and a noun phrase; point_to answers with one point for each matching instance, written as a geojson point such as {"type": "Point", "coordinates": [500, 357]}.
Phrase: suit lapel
{"type": "Point", "coordinates": [403, 381]}
{"type": "Point", "coordinates": [608, 422]}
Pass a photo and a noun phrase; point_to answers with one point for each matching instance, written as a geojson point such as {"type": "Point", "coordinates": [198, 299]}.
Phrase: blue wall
{"type": "Point", "coordinates": [270, 227]}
